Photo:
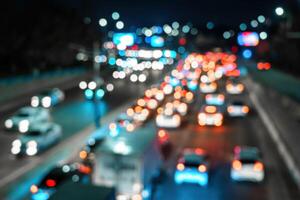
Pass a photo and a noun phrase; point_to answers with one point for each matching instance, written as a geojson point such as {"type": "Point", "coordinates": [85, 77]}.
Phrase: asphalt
{"type": "Point", "coordinates": [74, 114]}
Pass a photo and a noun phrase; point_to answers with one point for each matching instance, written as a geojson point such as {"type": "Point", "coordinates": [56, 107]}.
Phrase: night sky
{"type": "Point", "coordinates": [150, 12]}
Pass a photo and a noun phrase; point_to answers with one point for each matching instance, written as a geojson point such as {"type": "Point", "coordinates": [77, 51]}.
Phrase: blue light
{"type": "Point", "coordinates": [191, 177]}
{"type": "Point", "coordinates": [148, 39]}
{"type": "Point", "coordinates": [174, 82]}
{"type": "Point", "coordinates": [89, 94]}
{"type": "Point", "coordinates": [157, 41]}
{"type": "Point", "coordinates": [124, 38]}
{"type": "Point", "coordinates": [192, 85]}
{"type": "Point", "coordinates": [40, 196]}
{"type": "Point", "coordinates": [111, 61]}
{"type": "Point", "coordinates": [100, 93]}
{"type": "Point", "coordinates": [181, 50]}
{"type": "Point", "coordinates": [247, 53]}
{"type": "Point", "coordinates": [122, 53]}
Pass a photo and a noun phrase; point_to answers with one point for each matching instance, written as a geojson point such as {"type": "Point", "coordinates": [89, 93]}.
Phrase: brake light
{"type": "Point", "coordinates": [237, 165]}
{"type": "Point", "coordinates": [34, 189]}
{"type": "Point", "coordinates": [85, 169]}
{"type": "Point", "coordinates": [230, 109]}
{"type": "Point", "coordinates": [202, 168]}
{"type": "Point", "coordinates": [258, 166]}
{"type": "Point", "coordinates": [50, 183]}
{"type": "Point", "coordinates": [180, 166]}
{"type": "Point", "coordinates": [245, 109]}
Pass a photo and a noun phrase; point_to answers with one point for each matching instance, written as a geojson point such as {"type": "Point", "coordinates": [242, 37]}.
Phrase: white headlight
{"type": "Point", "coordinates": [46, 102]}
{"type": "Point", "coordinates": [31, 144]}
{"type": "Point", "coordinates": [31, 151]}
{"type": "Point", "coordinates": [15, 150]}
{"type": "Point", "coordinates": [23, 126]}
{"type": "Point", "coordinates": [16, 143]}
{"type": "Point", "coordinates": [35, 101]}
{"type": "Point", "coordinates": [8, 123]}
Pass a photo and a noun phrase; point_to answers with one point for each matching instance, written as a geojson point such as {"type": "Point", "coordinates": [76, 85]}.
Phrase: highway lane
{"type": "Point", "coordinates": [219, 142]}
{"type": "Point", "coordinates": [73, 115]}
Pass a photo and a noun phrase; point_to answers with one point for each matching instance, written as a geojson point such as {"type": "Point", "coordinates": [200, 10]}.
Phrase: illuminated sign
{"type": "Point", "coordinates": [157, 41]}
{"type": "Point", "coordinates": [126, 39]}
{"type": "Point", "coordinates": [248, 39]}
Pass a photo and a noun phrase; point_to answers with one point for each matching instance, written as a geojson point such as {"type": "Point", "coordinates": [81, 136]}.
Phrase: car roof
{"type": "Point", "coordinates": [247, 152]}
{"type": "Point", "coordinates": [42, 126]}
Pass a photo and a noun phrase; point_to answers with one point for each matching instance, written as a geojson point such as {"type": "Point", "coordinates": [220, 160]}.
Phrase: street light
{"type": "Point", "coordinates": [102, 22]}
{"type": "Point", "coordinates": [279, 11]}
{"type": "Point", "coordinates": [120, 25]}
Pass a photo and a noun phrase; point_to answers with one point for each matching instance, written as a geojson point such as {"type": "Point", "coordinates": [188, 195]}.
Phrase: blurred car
{"type": "Point", "coordinates": [138, 113]}
{"type": "Point", "coordinates": [180, 107]}
{"type": "Point", "coordinates": [39, 137]}
{"type": "Point", "coordinates": [25, 117]}
{"type": "Point", "coordinates": [48, 98]}
{"type": "Point", "coordinates": [123, 121]}
{"type": "Point", "coordinates": [237, 109]}
{"type": "Point", "coordinates": [168, 118]}
{"type": "Point", "coordinates": [192, 167]}
{"type": "Point", "coordinates": [215, 99]}
{"type": "Point", "coordinates": [247, 165]}
{"type": "Point", "coordinates": [208, 87]}
{"type": "Point", "coordinates": [210, 115]}
{"type": "Point", "coordinates": [234, 87]}
{"type": "Point", "coordinates": [56, 177]}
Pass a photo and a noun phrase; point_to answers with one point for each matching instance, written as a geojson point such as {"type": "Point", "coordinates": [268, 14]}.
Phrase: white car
{"type": "Point", "coordinates": [247, 165]}
{"type": "Point", "coordinates": [208, 87]}
{"type": "Point", "coordinates": [215, 99]}
{"type": "Point", "coordinates": [233, 87]}
{"type": "Point", "coordinates": [40, 137]}
{"type": "Point", "coordinates": [210, 115]}
{"type": "Point", "coordinates": [192, 167]}
{"type": "Point", "coordinates": [237, 109]}
{"type": "Point", "coordinates": [25, 117]}
{"type": "Point", "coordinates": [48, 98]}
{"type": "Point", "coordinates": [168, 121]}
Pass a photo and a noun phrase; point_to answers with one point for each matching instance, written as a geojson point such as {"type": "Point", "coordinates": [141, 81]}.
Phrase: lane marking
{"type": "Point", "coordinates": [275, 135]}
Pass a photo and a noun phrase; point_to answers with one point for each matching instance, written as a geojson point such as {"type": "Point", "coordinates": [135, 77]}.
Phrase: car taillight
{"type": "Point", "coordinates": [85, 169]}
{"type": "Point", "coordinates": [245, 109]}
{"type": "Point", "coordinates": [50, 183]}
{"type": "Point", "coordinates": [201, 116]}
{"type": "Point", "coordinates": [202, 168]}
{"type": "Point", "coordinates": [180, 166]}
{"type": "Point", "coordinates": [230, 109]}
{"type": "Point", "coordinates": [34, 189]}
{"type": "Point", "coordinates": [258, 166]}
{"type": "Point", "coordinates": [237, 165]}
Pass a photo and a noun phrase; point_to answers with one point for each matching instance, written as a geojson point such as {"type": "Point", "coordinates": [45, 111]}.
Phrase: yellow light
{"type": "Point", "coordinates": [34, 189]}
{"type": "Point", "coordinates": [202, 168]}
{"type": "Point", "coordinates": [180, 166]}
{"type": "Point", "coordinates": [83, 154]}
{"type": "Point", "coordinates": [210, 109]}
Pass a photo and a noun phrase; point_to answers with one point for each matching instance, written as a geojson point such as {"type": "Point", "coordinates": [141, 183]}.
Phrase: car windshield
{"type": "Point", "coordinates": [248, 161]}
{"type": "Point", "coordinates": [23, 114]}
{"type": "Point", "coordinates": [34, 133]}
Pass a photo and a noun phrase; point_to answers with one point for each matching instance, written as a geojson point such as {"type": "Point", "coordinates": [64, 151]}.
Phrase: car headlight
{"type": "Point", "coordinates": [32, 144]}
{"type": "Point", "coordinates": [35, 101]}
{"type": "Point", "coordinates": [8, 123]}
{"type": "Point", "coordinates": [17, 143]}
{"type": "Point", "coordinates": [24, 126]}
{"type": "Point", "coordinates": [46, 102]}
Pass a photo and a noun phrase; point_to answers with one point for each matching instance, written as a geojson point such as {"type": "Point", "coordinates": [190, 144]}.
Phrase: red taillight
{"type": "Point", "coordinates": [237, 165]}
{"type": "Point", "coordinates": [85, 169]}
{"type": "Point", "coordinates": [258, 166]}
{"type": "Point", "coordinates": [50, 183]}
{"type": "Point", "coordinates": [202, 168]}
{"type": "Point", "coordinates": [34, 189]}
